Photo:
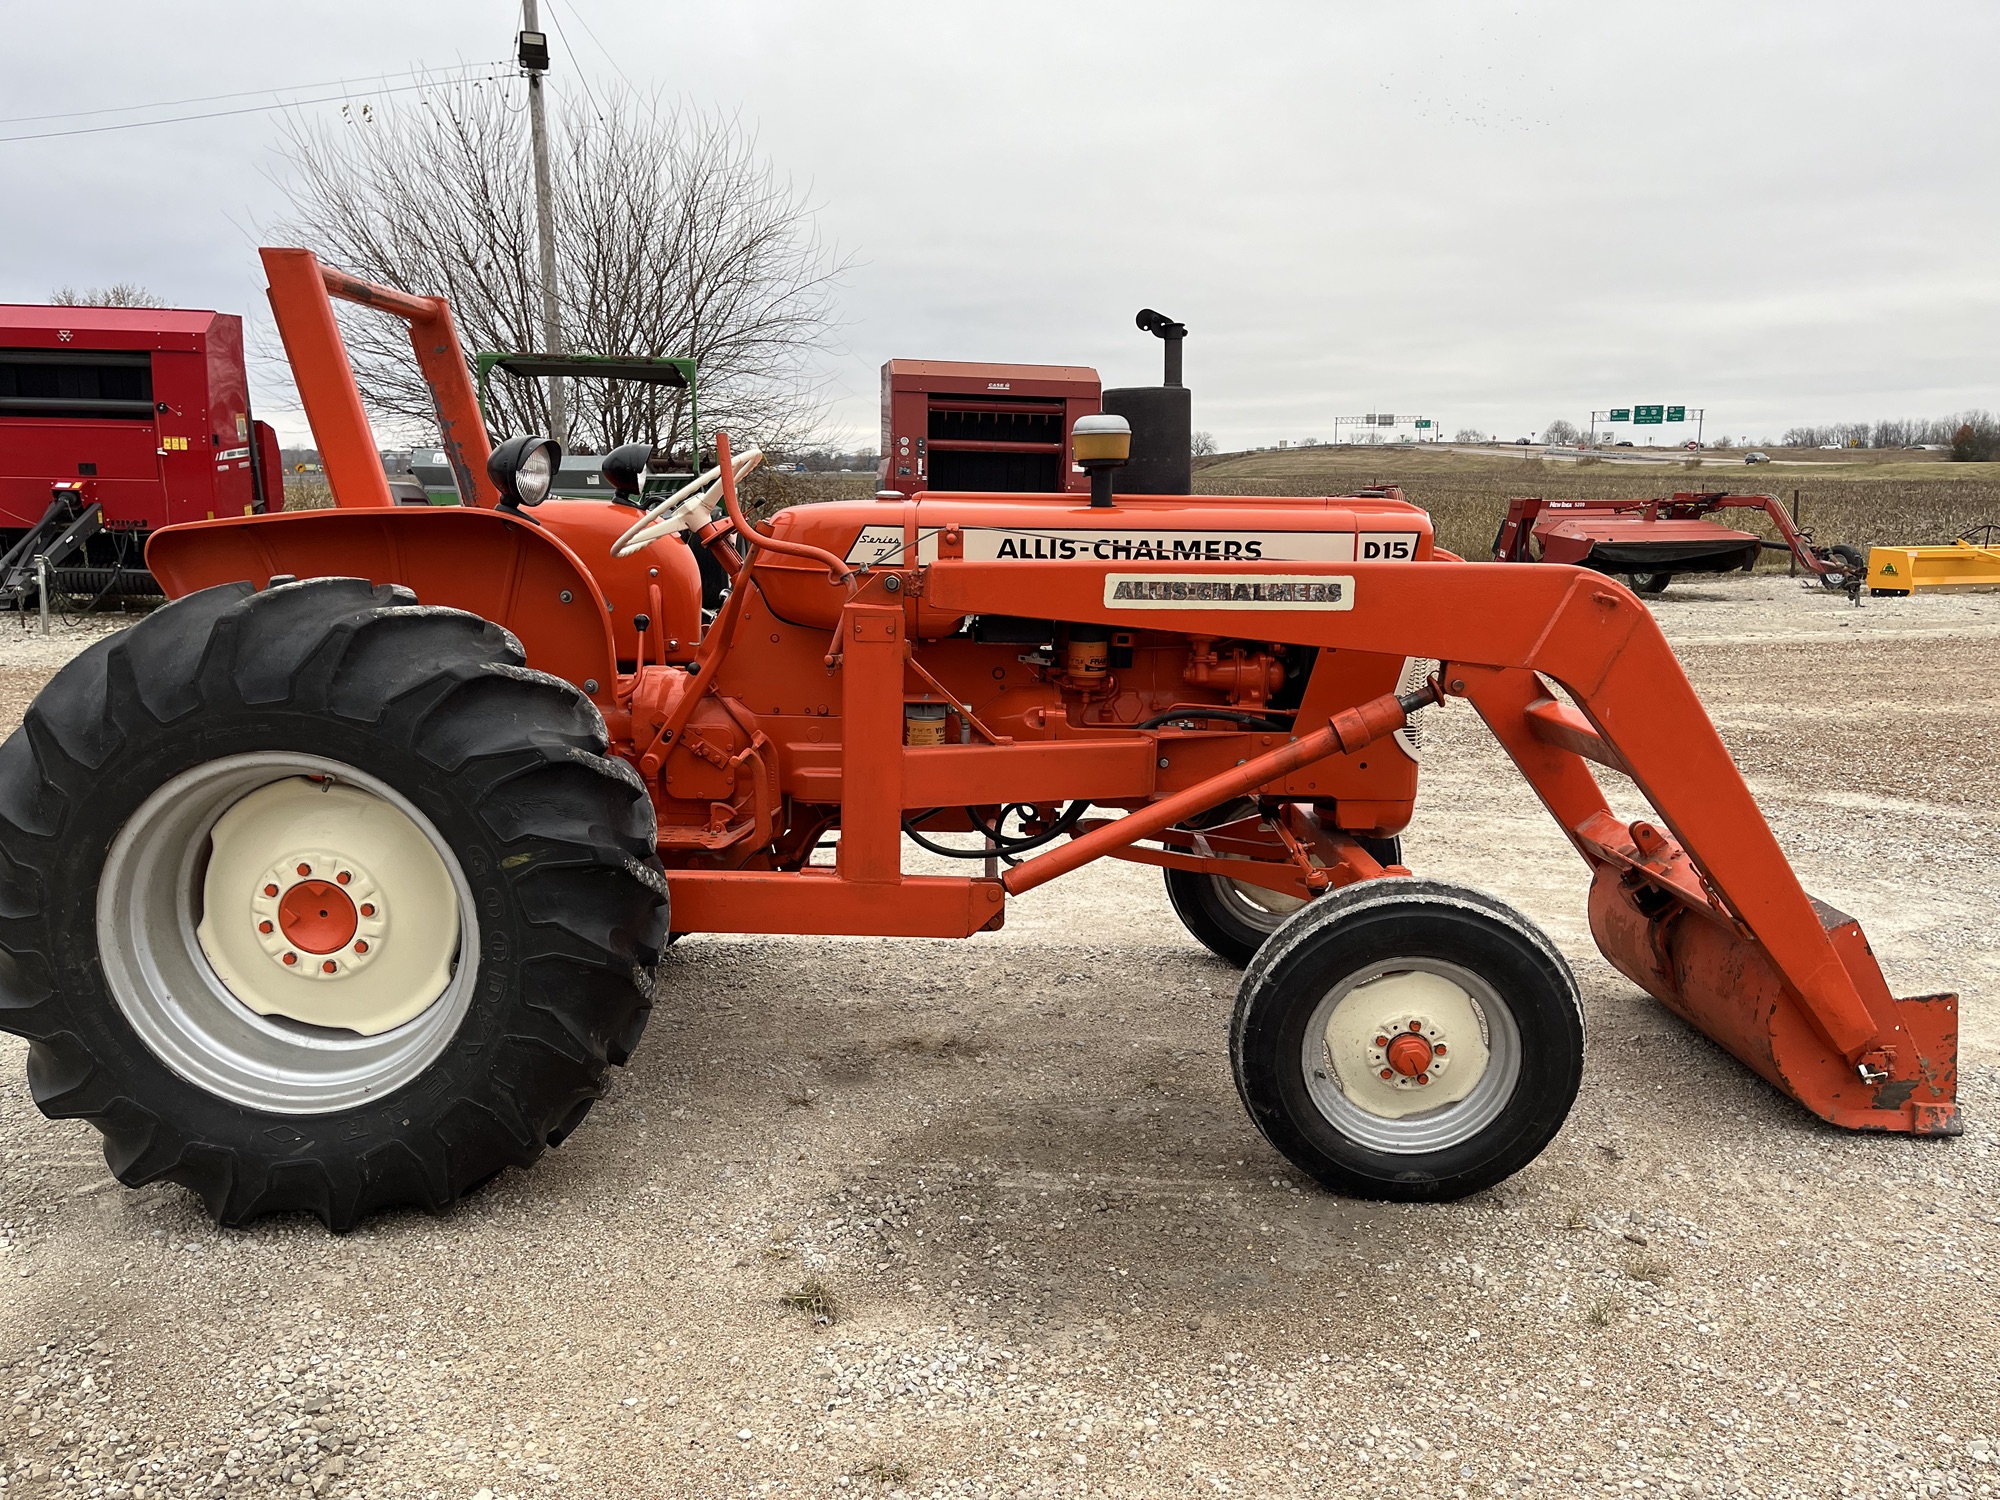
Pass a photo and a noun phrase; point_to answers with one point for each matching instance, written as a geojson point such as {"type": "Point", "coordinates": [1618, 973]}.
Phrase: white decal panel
{"type": "Point", "coordinates": [1226, 591]}
{"type": "Point", "coordinates": [884, 544]}
{"type": "Point", "coordinates": [877, 544]}
{"type": "Point", "coordinates": [1387, 546]}
{"type": "Point", "coordinates": [996, 544]}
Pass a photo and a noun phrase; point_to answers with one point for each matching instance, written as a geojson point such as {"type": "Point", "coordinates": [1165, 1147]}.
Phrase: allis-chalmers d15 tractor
{"type": "Point", "coordinates": [340, 882]}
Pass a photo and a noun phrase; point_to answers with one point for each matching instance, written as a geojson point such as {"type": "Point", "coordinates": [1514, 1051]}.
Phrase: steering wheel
{"type": "Point", "coordinates": [688, 508]}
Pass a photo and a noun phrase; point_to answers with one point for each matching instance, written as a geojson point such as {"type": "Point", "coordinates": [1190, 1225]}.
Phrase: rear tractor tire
{"type": "Point", "coordinates": [1232, 918]}
{"type": "Point", "coordinates": [1409, 1040]}
{"type": "Point", "coordinates": [313, 900]}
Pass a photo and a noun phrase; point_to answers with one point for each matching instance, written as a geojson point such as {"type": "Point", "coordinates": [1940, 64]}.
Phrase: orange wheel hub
{"type": "Point", "coordinates": [1409, 1054]}
{"type": "Point", "coordinates": [317, 915]}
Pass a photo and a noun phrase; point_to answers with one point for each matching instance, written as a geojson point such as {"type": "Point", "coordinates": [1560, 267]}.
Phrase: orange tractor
{"type": "Point", "coordinates": [340, 882]}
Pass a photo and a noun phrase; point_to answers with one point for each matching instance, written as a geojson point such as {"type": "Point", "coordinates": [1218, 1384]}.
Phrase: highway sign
{"type": "Point", "coordinates": [1621, 414]}
{"type": "Point", "coordinates": [1677, 414]}
{"type": "Point", "coordinates": [1423, 421]}
{"type": "Point", "coordinates": [1648, 416]}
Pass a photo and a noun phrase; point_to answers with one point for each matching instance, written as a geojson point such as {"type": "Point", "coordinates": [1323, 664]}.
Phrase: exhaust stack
{"type": "Point", "coordinates": [1162, 420]}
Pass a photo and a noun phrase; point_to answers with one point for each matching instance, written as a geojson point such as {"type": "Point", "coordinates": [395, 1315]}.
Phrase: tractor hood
{"type": "Point", "coordinates": [1042, 530]}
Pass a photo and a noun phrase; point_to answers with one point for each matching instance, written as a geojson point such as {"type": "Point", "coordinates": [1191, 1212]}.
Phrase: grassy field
{"type": "Point", "coordinates": [1861, 498]}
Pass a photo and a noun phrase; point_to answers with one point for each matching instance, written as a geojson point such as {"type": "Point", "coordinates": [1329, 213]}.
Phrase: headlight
{"type": "Point", "coordinates": [625, 467]}
{"type": "Point", "coordinates": [531, 480]}
{"type": "Point", "coordinates": [523, 469]}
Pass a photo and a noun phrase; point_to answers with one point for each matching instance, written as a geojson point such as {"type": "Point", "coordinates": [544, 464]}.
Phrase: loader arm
{"type": "Point", "coordinates": [1707, 915]}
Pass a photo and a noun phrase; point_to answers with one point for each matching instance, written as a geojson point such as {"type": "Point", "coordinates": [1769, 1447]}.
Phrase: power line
{"type": "Point", "coordinates": [578, 15]}
{"type": "Point", "coordinates": [575, 62]}
{"type": "Point", "coordinates": [254, 109]}
{"type": "Point", "coordinates": [127, 109]}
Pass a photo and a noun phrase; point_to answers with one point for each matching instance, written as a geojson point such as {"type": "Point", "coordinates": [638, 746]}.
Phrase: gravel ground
{"type": "Point", "coordinates": [985, 1218]}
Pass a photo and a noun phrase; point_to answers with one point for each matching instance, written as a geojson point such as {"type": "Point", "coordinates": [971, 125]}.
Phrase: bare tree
{"type": "Point", "coordinates": [1976, 439]}
{"type": "Point", "coordinates": [1201, 444]}
{"type": "Point", "coordinates": [1561, 433]}
{"type": "Point", "coordinates": [118, 294]}
{"type": "Point", "coordinates": [674, 236]}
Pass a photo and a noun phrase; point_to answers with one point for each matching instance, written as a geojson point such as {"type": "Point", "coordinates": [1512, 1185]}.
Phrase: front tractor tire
{"type": "Point", "coordinates": [1408, 1040]}
{"type": "Point", "coordinates": [316, 900]}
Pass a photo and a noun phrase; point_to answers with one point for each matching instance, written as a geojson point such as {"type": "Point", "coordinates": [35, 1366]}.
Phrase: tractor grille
{"type": "Point", "coordinates": [1417, 670]}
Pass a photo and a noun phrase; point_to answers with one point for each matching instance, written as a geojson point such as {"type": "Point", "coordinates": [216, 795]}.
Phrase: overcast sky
{"type": "Point", "coordinates": [1495, 214]}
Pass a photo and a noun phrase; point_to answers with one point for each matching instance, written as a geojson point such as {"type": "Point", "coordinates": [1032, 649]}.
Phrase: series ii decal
{"type": "Point", "coordinates": [1222, 591]}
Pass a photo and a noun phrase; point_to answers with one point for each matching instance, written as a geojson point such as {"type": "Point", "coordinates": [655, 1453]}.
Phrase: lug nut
{"type": "Point", "coordinates": [361, 946]}
{"type": "Point", "coordinates": [263, 926]}
{"type": "Point", "coordinates": [343, 877]}
{"type": "Point", "coordinates": [305, 869]}
{"type": "Point", "coordinates": [291, 958]}
{"type": "Point", "coordinates": [270, 890]}
{"type": "Point", "coordinates": [368, 908]}
{"type": "Point", "coordinates": [328, 967]}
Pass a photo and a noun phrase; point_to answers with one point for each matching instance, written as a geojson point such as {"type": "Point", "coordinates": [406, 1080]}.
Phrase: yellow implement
{"type": "Point", "coordinates": [1962, 564]}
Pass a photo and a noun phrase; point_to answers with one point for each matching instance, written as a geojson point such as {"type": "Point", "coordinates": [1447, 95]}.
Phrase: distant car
{"type": "Point", "coordinates": [1624, 443]}
{"type": "Point", "coordinates": [1754, 457]}
{"type": "Point", "coordinates": [1524, 442]}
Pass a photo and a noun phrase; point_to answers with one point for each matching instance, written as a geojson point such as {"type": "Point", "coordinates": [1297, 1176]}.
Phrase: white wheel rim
{"type": "Point", "coordinates": [185, 896]}
{"type": "Point", "coordinates": [1433, 1005]}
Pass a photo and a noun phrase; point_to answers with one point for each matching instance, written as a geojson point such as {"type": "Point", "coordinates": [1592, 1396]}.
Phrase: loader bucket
{"type": "Point", "coordinates": [1724, 984]}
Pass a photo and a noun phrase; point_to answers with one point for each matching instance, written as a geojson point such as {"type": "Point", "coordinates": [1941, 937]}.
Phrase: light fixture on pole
{"type": "Point", "coordinates": [533, 52]}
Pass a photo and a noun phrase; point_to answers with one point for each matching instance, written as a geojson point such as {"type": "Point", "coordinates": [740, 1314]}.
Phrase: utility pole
{"type": "Point", "coordinates": [534, 54]}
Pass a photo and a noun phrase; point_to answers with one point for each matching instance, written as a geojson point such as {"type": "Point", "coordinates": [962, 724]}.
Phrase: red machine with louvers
{"type": "Point", "coordinates": [953, 425]}
{"type": "Point", "coordinates": [126, 419]}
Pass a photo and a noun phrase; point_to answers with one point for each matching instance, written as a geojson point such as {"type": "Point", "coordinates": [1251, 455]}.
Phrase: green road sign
{"type": "Point", "coordinates": [1423, 421]}
{"type": "Point", "coordinates": [1620, 414]}
{"type": "Point", "coordinates": [1648, 416]}
{"type": "Point", "coordinates": [1677, 414]}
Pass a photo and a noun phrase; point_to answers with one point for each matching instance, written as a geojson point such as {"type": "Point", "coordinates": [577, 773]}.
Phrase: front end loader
{"type": "Point", "coordinates": [340, 882]}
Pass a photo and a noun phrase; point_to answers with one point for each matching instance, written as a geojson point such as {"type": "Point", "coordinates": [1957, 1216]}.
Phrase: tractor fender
{"type": "Point", "coordinates": [498, 566]}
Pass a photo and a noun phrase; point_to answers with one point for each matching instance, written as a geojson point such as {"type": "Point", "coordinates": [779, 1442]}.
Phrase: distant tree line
{"type": "Point", "coordinates": [1972, 436]}
{"type": "Point", "coordinates": [118, 294]}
